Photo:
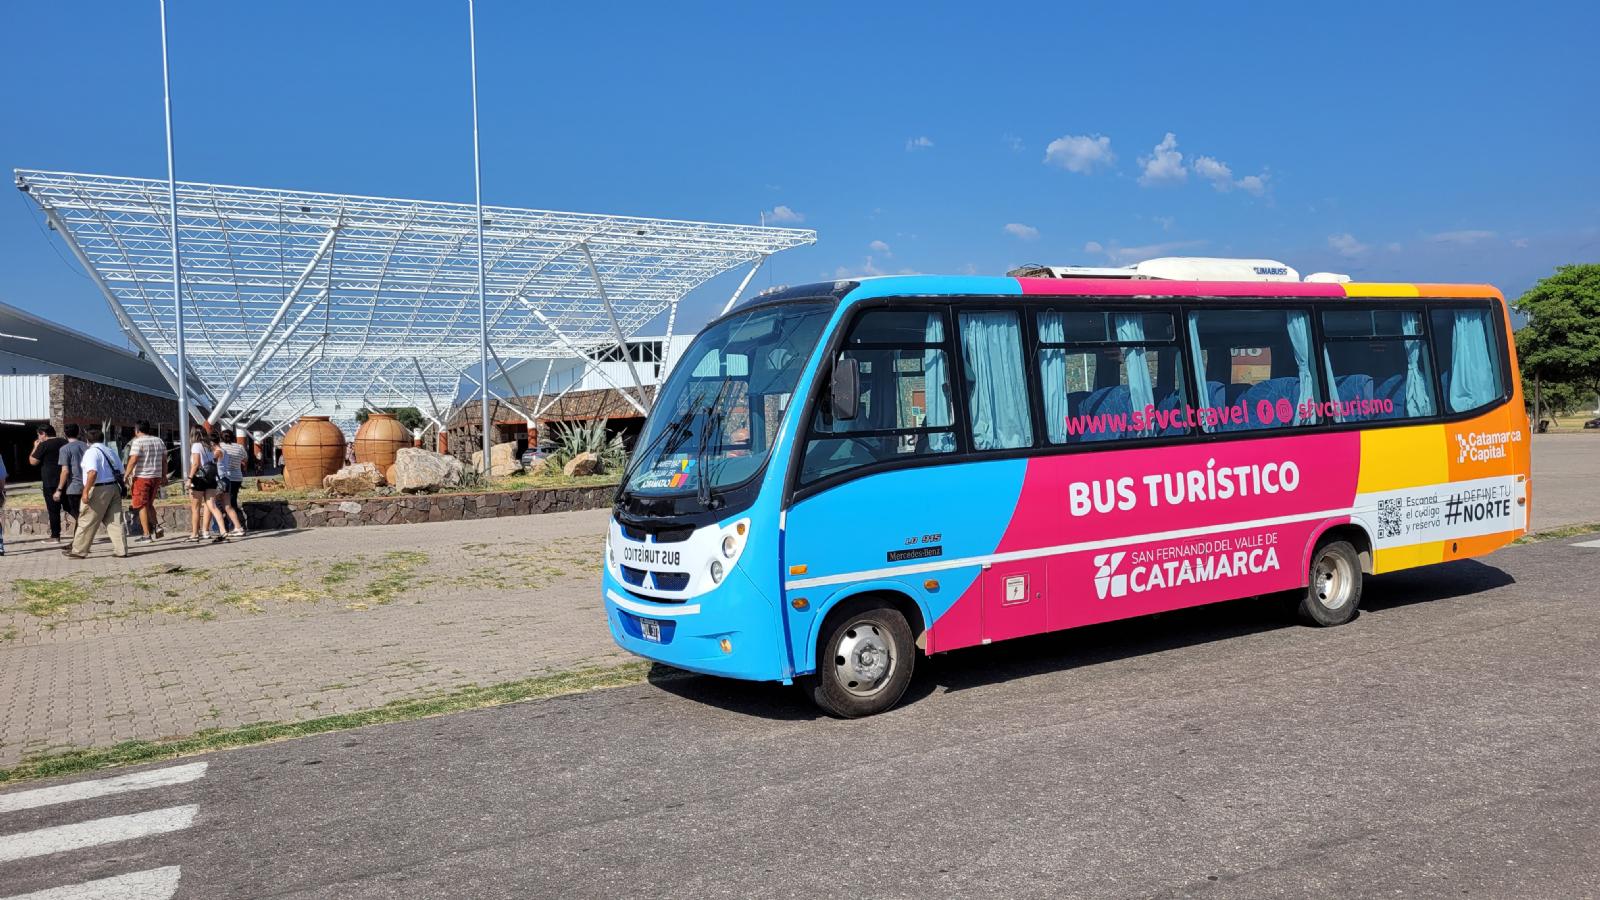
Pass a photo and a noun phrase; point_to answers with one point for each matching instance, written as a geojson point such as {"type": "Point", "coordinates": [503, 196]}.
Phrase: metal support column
{"type": "Point", "coordinates": [616, 329]}
{"type": "Point", "coordinates": [739, 292]}
{"type": "Point", "coordinates": [477, 189]}
{"type": "Point", "coordinates": [588, 363]}
{"type": "Point", "coordinates": [177, 274]}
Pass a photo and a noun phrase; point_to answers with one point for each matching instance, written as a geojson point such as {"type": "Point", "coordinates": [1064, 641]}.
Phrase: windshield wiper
{"type": "Point", "coordinates": [678, 428]}
{"type": "Point", "coordinates": [712, 425]}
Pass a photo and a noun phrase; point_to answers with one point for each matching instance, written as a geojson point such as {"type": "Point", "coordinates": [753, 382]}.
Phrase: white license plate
{"type": "Point", "coordinates": [650, 629]}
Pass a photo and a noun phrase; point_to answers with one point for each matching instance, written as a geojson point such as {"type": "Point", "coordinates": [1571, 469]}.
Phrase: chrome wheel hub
{"type": "Point", "coordinates": [863, 662]}
{"type": "Point", "coordinates": [1332, 581]}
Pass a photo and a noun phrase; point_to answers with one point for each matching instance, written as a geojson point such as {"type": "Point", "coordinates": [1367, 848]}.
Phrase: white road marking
{"type": "Point", "coordinates": [1593, 544]}
{"type": "Point", "coordinates": [84, 790]}
{"type": "Point", "coordinates": [151, 884]}
{"type": "Point", "coordinates": [61, 838]}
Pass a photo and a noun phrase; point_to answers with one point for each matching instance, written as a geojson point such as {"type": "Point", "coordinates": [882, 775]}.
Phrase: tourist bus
{"type": "Point", "coordinates": [840, 477]}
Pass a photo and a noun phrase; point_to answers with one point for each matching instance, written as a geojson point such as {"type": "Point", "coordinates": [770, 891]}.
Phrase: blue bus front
{"type": "Point", "coordinates": [693, 551]}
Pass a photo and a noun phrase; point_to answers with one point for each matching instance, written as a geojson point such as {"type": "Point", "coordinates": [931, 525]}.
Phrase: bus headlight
{"type": "Point", "coordinates": [729, 546]}
{"type": "Point", "coordinates": [716, 571]}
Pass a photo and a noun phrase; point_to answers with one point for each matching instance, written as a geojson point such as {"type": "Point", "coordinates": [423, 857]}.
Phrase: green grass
{"type": "Point", "coordinates": [47, 597]}
{"type": "Point", "coordinates": [574, 681]}
{"type": "Point", "coordinates": [1555, 534]}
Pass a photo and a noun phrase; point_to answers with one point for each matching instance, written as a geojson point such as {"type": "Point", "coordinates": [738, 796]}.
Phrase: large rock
{"type": "Point", "coordinates": [358, 478]}
{"type": "Point", "coordinates": [423, 471]}
{"type": "Point", "coordinates": [582, 464]}
{"type": "Point", "coordinates": [503, 460]}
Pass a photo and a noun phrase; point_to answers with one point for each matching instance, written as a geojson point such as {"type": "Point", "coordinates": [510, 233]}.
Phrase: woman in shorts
{"type": "Point", "coordinates": [203, 486]}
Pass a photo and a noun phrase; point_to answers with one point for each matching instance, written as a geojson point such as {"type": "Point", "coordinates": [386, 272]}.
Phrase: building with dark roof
{"type": "Point", "coordinates": [53, 374]}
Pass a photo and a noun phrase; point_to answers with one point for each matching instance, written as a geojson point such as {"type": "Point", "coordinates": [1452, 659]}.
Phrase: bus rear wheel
{"type": "Point", "coordinates": [864, 661]}
{"type": "Point", "coordinates": [1333, 590]}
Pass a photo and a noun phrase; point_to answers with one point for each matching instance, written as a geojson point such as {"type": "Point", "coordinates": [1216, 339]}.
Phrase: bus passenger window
{"type": "Point", "coordinates": [997, 390]}
{"type": "Point", "coordinates": [1377, 364]}
{"type": "Point", "coordinates": [906, 408]}
{"type": "Point", "coordinates": [1468, 351]}
{"type": "Point", "coordinates": [1254, 366]}
{"type": "Point", "coordinates": [1109, 376]}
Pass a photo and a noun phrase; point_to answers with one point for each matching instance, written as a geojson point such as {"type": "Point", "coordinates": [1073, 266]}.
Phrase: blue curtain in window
{"type": "Point", "coordinates": [1474, 376]}
{"type": "Point", "coordinates": [1141, 393]}
{"type": "Point", "coordinates": [1419, 393]}
{"type": "Point", "coordinates": [936, 387]}
{"type": "Point", "coordinates": [1203, 386]}
{"type": "Point", "coordinates": [1053, 374]}
{"type": "Point", "coordinates": [1300, 340]}
{"type": "Point", "coordinates": [1333, 382]}
{"type": "Point", "coordinates": [991, 346]}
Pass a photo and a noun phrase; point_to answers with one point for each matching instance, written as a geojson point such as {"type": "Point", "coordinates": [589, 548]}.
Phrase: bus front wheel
{"type": "Point", "coordinates": [864, 661]}
{"type": "Point", "coordinates": [1333, 590]}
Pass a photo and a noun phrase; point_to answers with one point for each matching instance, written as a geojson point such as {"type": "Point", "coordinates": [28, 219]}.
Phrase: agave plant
{"type": "Point", "coordinates": [575, 438]}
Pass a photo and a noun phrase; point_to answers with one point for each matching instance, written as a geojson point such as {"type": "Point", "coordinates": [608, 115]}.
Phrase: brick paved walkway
{"type": "Point", "coordinates": [287, 625]}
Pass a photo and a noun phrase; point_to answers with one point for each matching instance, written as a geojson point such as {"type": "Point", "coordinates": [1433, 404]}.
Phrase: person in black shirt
{"type": "Point", "coordinates": [46, 455]}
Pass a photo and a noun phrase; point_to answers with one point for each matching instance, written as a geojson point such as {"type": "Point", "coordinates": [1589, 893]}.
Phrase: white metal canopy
{"type": "Point", "coordinates": [309, 302]}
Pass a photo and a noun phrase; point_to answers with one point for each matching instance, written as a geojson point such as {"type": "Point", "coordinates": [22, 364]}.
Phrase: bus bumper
{"type": "Point", "coordinates": [731, 631]}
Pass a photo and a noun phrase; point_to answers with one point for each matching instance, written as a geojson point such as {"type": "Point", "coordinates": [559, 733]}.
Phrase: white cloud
{"type": "Point", "coordinates": [783, 215]}
{"type": "Point", "coordinates": [867, 267]}
{"type": "Point", "coordinates": [1080, 153]}
{"type": "Point", "coordinates": [1254, 185]}
{"type": "Point", "coordinates": [921, 142]}
{"type": "Point", "coordinates": [1123, 255]}
{"type": "Point", "coordinates": [1220, 174]}
{"type": "Point", "coordinates": [1460, 237]}
{"type": "Point", "coordinates": [1021, 231]}
{"type": "Point", "coordinates": [1215, 171]}
{"type": "Point", "coordinates": [1346, 245]}
{"type": "Point", "coordinates": [1164, 165]}
{"type": "Point", "coordinates": [879, 247]}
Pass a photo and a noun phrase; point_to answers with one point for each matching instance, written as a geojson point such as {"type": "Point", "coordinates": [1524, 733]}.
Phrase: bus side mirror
{"type": "Point", "coordinates": [845, 390]}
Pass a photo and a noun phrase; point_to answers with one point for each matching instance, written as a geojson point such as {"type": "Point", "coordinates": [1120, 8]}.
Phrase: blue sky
{"type": "Point", "coordinates": [1452, 142]}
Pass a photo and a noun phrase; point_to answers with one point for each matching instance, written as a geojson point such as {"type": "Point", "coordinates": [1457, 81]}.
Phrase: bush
{"type": "Point", "coordinates": [575, 438]}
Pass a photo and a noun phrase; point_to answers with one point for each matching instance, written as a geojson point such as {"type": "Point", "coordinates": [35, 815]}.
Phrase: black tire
{"type": "Point", "coordinates": [1333, 585]}
{"type": "Point", "coordinates": [858, 640]}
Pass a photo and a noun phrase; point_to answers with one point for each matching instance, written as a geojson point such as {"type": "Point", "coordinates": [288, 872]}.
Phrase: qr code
{"type": "Point", "coordinates": [1389, 518]}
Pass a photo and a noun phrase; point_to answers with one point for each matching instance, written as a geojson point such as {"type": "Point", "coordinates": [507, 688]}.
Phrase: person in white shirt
{"type": "Point", "coordinates": [102, 498]}
{"type": "Point", "coordinates": [203, 485]}
{"type": "Point", "coordinates": [230, 477]}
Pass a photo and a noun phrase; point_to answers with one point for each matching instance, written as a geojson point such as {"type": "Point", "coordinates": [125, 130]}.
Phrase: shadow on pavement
{"type": "Point", "coordinates": [1091, 645]}
{"type": "Point", "coordinates": [1451, 580]}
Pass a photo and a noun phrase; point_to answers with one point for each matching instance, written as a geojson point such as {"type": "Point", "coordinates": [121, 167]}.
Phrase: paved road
{"type": "Point", "coordinates": [1441, 745]}
{"type": "Point", "coordinates": [1566, 480]}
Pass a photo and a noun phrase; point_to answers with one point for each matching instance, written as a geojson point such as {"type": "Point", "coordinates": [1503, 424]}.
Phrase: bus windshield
{"type": "Point", "coordinates": [718, 414]}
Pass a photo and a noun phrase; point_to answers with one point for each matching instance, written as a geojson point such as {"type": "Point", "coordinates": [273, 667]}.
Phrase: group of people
{"type": "Point", "coordinates": [84, 476]}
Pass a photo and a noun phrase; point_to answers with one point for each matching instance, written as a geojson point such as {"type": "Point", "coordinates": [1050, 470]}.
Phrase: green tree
{"type": "Point", "coordinates": [1561, 342]}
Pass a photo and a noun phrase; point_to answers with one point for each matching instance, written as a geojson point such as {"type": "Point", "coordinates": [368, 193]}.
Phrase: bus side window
{"type": "Point", "coordinates": [1377, 364]}
{"type": "Point", "coordinates": [997, 389]}
{"type": "Point", "coordinates": [1254, 368]}
{"type": "Point", "coordinates": [1109, 376]}
{"type": "Point", "coordinates": [1468, 351]}
{"type": "Point", "coordinates": [906, 406]}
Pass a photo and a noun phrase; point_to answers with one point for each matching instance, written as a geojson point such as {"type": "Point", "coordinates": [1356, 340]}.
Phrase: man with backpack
{"type": "Point", "coordinates": [102, 498]}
